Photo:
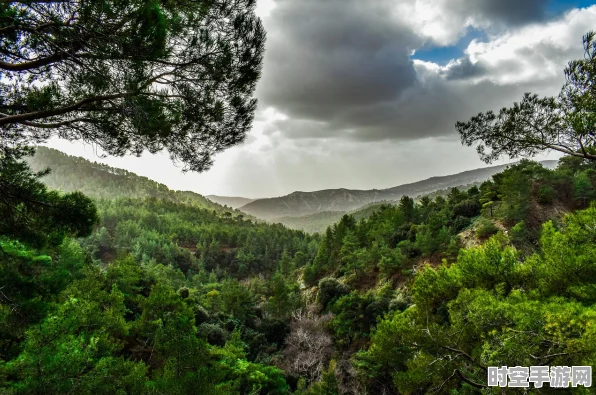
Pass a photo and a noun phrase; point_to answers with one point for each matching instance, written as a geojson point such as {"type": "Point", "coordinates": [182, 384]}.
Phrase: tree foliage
{"type": "Point", "coordinates": [566, 123]}
{"type": "Point", "coordinates": [491, 309]}
{"type": "Point", "coordinates": [131, 75]}
{"type": "Point", "coordinates": [32, 213]}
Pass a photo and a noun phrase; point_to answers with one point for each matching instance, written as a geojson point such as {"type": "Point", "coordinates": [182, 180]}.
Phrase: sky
{"type": "Point", "coordinates": [365, 94]}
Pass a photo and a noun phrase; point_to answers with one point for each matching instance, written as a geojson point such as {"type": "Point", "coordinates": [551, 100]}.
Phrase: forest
{"type": "Point", "coordinates": [111, 283]}
{"type": "Point", "coordinates": [172, 296]}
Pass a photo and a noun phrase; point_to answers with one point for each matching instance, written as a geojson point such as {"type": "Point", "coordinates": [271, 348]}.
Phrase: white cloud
{"type": "Point", "coordinates": [433, 20]}
{"type": "Point", "coordinates": [533, 53]}
{"type": "Point", "coordinates": [264, 8]}
{"type": "Point", "coordinates": [444, 22]}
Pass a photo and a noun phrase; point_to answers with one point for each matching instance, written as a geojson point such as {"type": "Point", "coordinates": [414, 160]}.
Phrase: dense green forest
{"type": "Point", "coordinates": [163, 296]}
{"type": "Point", "coordinates": [166, 296]}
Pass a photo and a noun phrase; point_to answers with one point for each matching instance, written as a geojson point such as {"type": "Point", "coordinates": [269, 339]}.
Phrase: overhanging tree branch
{"type": "Point", "coordinates": [106, 61]}
{"type": "Point", "coordinates": [537, 124]}
{"type": "Point", "coordinates": [467, 380]}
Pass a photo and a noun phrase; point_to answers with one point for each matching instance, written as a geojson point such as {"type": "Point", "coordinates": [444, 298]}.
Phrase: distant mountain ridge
{"type": "Point", "coordinates": [230, 201]}
{"type": "Point", "coordinates": [298, 203]}
{"type": "Point", "coordinates": [304, 203]}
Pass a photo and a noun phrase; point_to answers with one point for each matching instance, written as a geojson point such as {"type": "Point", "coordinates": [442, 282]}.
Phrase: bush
{"type": "Point", "coordinates": [455, 244]}
{"type": "Point", "coordinates": [485, 228]}
{"type": "Point", "coordinates": [459, 224]}
{"type": "Point", "coordinates": [468, 208]}
{"type": "Point", "coordinates": [275, 330]}
{"type": "Point", "coordinates": [518, 232]}
{"type": "Point", "coordinates": [545, 194]}
{"type": "Point", "coordinates": [184, 292]}
{"type": "Point", "coordinates": [310, 275]}
{"type": "Point", "coordinates": [201, 315]}
{"type": "Point", "coordinates": [583, 190]}
{"type": "Point", "coordinates": [214, 334]}
{"type": "Point", "coordinates": [408, 248]}
{"type": "Point", "coordinates": [400, 302]}
{"type": "Point", "coordinates": [391, 261]}
{"type": "Point", "coordinates": [330, 290]}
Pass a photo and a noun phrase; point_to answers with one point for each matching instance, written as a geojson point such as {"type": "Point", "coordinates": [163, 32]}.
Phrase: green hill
{"type": "Point", "coordinates": [318, 222]}
{"type": "Point", "coordinates": [96, 180]}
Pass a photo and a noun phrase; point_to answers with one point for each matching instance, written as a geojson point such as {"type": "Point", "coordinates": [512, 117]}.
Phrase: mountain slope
{"type": "Point", "coordinates": [99, 181]}
{"type": "Point", "coordinates": [305, 203]}
{"type": "Point", "coordinates": [230, 201]}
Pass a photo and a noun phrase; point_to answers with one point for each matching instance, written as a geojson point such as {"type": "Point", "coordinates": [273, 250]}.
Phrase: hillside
{"type": "Point", "coordinates": [311, 223]}
{"type": "Point", "coordinates": [99, 181]}
{"type": "Point", "coordinates": [318, 222]}
{"type": "Point", "coordinates": [163, 275]}
{"type": "Point", "coordinates": [508, 249]}
{"type": "Point", "coordinates": [300, 204]}
{"type": "Point", "coordinates": [230, 201]}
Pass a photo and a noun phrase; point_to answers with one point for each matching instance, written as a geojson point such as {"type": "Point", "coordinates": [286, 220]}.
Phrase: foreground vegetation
{"type": "Point", "coordinates": [168, 296]}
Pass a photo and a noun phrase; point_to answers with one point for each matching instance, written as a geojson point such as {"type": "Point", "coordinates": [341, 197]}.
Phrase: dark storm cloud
{"type": "Point", "coordinates": [508, 12]}
{"type": "Point", "coordinates": [463, 69]}
{"type": "Point", "coordinates": [325, 58]}
{"type": "Point", "coordinates": [420, 114]}
{"type": "Point", "coordinates": [342, 68]}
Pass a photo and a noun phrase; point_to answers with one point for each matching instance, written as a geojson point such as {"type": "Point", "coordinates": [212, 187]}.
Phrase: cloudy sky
{"type": "Point", "coordinates": [365, 94]}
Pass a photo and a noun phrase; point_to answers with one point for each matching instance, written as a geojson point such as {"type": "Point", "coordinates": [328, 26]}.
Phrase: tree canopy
{"type": "Point", "coordinates": [131, 75]}
{"type": "Point", "coordinates": [34, 214]}
{"type": "Point", "coordinates": [566, 123]}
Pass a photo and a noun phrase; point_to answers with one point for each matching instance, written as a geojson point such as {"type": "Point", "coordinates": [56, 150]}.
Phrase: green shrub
{"type": "Point", "coordinates": [330, 290]}
{"type": "Point", "coordinates": [459, 224]}
{"type": "Point", "coordinates": [214, 334]}
{"type": "Point", "coordinates": [201, 315]}
{"type": "Point", "coordinates": [545, 194]}
{"type": "Point", "coordinates": [391, 261]}
{"type": "Point", "coordinates": [408, 248]}
{"type": "Point", "coordinates": [310, 275]}
{"type": "Point", "coordinates": [400, 302]}
{"type": "Point", "coordinates": [485, 228]}
{"type": "Point", "coordinates": [467, 208]}
{"type": "Point", "coordinates": [518, 232]}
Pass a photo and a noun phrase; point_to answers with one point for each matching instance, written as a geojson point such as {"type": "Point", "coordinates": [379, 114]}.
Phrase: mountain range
{"type": "Point", "coordinates": [299, 204]}
{"type": "Point", "coordinates": [308, 211]}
